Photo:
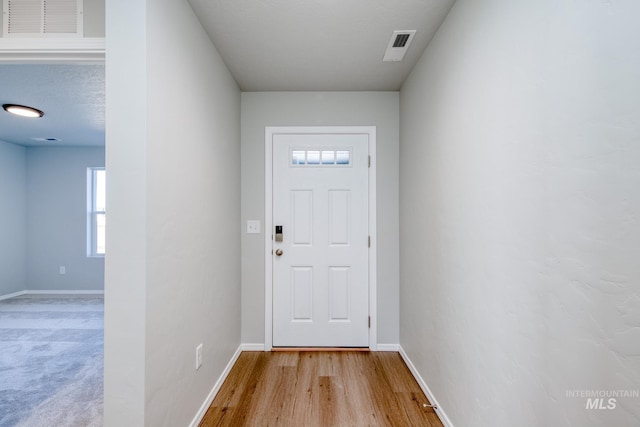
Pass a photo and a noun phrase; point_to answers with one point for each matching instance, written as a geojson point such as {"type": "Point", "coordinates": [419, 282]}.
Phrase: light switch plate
{"type": "Point", "coordinates": [253, 226]}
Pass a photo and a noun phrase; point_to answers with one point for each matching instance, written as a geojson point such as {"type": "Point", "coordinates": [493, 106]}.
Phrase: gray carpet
{"type": "Point", "coordinates": [51, 361]}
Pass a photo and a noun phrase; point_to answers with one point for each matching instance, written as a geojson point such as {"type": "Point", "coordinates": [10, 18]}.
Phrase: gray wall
{"type": "Point", "coordinates": [13, 218]}
{"type": "Point", "coordinates": [173, 268]}
{"type": "Point", "coordinates": [93, 18]}
{"type": "Point", "coordinates": [261, 109]}
{"type": "Point", "coordinates": [57, 219]}
{"type": "Point", "coordinates": [93, 15]}
{"type": "Point", "coordinates": [519, 212]}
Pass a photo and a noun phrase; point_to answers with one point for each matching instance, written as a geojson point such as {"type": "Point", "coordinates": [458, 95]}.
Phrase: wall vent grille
{"type": "Point", "coordinates": [42, 18]}
{"type": "Point", "coordinates": [398, 45]}
{"type": "Point", "coordinates": [401, 40]}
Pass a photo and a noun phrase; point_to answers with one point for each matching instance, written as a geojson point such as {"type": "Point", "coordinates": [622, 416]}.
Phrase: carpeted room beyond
{"type": "Point", "coordinates": [51, 361]}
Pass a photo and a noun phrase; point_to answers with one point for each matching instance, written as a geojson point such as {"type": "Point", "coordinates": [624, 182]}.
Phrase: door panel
{"type": "Point", "coordinates": [302, 289]}
{"type": "Point", "coordinates": [339, 292]}
{"type": "Point", "coordinates": [320, 278]}
{"type": "Point", "coordinates": [339, 216]}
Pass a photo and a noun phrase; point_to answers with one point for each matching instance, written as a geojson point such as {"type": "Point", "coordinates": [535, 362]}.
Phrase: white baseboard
{"type": "Point", "coordinates": [252, 347]}
{"type": "Point", "coordinates": [216, 388]}
{"type": "Point", "coordinates": [55, 292]}
{"type": "Point", "coordinates": [62, 292]}
{"type": "Point", "coordinates": [13, 295]}
{"type": "Point", "coordinates": [260, 347]}
{"type": "Point", "coordinates": [388, 347]}
{"type": "Point", "coordinates": [425, 388]}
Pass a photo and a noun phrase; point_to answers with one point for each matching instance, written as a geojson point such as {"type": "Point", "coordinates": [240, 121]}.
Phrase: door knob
{"type": "Point", "coordinates": [279, 252]}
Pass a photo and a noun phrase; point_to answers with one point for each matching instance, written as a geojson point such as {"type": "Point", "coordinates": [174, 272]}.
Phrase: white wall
{"type": "Point", "coordinates": [261, 109]}
{"type": "Point", "coordinates": [93, 15]}
{"type": "Point", "coordinates": [174, 209]}
{"type": "Point", "coordinates": [13, 218]}
{"type": "Point", "coordinates": [193, 201]}
{"type": "Point", "coordinates": [57, 219]}
{"type": "Point", "coordinates": [519, 212]}
{"type": "Point", "coordinates": [125, 264]}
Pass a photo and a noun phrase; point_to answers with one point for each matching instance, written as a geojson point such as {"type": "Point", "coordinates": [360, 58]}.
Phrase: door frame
{"type": "Point", "coordinates": [270, 132]}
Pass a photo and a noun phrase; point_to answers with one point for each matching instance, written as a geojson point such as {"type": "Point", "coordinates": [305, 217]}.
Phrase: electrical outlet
{"type": "Point", "coordinates": [63, 269]}
{"type": "Point", "coordinates": [198, 356]}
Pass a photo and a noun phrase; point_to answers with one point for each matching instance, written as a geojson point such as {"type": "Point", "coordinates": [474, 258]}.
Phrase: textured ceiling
{"type": "Point", "coordinates": [314, 45]}
{"type": "Point", "coordinates": [268, 45]}
{"type": "Point", "coordinates": [71, 96]}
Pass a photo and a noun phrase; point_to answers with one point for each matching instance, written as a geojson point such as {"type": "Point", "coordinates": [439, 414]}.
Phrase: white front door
{"type": "Point", "coordinates": [320, 268]}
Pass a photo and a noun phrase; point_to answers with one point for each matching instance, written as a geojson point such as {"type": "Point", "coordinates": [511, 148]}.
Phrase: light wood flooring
{"type": "Point", "coordinates": [324, 389]}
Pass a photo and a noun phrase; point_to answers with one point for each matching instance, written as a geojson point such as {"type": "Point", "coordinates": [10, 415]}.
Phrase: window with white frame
{"type": "Point", "coordinates": [96, 211]}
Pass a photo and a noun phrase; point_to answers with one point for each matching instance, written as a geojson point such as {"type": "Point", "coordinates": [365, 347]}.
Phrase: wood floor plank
{"type": "Point", "coordinates": [230, 395]}
{"type": "Point", "coordinates": [217, 417]}
{"type": "Point", "coordinates": [327, 363]}
{"type": "Point", "coordinates": [389, 409]}
{"type": "Point", "coordinates": [413, 406]}
{"type": "Point", "coordinates": [275, 393]}
{"type": "Point", "coordinates": [289, 358]}
{"type": "Point", "coordinates": [343, 411]}
{"type": "Point", "coordinates": [398, 374]}
{"type": "Point", "coordinates": [323, 389]}
{"type": "Point", "coordinates": [243, 410]}
{"type": "Point", "coordinates": [357, 390]}
{"type": "Point", "coordinates": [306, 411]}
{"type": "Point", "coordinates": [327, 401]}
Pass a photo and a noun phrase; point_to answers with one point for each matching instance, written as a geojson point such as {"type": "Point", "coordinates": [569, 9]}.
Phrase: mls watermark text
{"type": "Point", "coordinates": [602, 399]}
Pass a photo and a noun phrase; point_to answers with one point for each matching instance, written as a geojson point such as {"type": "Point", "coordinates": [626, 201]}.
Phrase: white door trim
{"type": "Point", "coordinates": [268, 167]}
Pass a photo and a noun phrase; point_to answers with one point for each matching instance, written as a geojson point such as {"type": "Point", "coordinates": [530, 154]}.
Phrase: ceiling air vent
{"type": "Point", "coordinates": [42, 18]}
{"type": "Point", "coordinates": [398, 45]}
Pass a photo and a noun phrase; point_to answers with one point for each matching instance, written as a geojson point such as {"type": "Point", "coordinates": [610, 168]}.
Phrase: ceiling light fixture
{"type": "Point", "coordinates": [49, 139]}
{"type": "Point", "coordinates": [22, 110]}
